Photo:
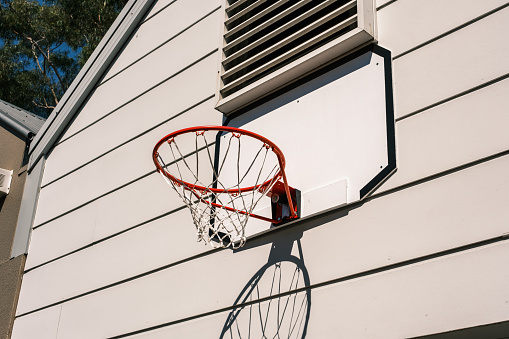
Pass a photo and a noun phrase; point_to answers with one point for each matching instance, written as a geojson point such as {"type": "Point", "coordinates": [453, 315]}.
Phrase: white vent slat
{"type": "Point", "coordinates": [254, 18]}
{"type": "Point", "coordinates": [229, 9]}
{"type": "Point", "coordinates": [242, 12]}
{"type": "Point", "coordinates": [289, 54]}
{"type": "Point", "coordinates": [295, 36]}
{"type": "Point", "coordinates": [282, 28]}
{"type": "Point", "coordinates": [242, 38]}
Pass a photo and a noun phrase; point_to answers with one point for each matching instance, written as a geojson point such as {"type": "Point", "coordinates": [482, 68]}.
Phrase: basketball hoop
{"type": "Point", "coordinates": [222, 187]}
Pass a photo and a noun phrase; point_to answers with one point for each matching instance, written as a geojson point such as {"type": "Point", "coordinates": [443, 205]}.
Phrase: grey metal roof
{"type": "Point", "coordinates": [21, 120]}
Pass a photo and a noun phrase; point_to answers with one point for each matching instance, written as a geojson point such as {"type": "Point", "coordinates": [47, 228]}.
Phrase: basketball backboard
{"type": "Point", "coordinates": [335, 128]}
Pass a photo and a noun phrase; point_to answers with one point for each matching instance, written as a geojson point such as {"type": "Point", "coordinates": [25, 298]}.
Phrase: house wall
{"type": "Point", "coordinates": [111, 253]}
{"type": "Point", "coordinates": [12, 149]}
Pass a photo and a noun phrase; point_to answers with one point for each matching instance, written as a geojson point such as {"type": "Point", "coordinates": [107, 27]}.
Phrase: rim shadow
{"type": "Point", "coordinates": [275, 302]}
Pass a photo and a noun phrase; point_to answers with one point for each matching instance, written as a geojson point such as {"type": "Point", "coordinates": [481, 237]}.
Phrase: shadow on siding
{"type": "Point", "coordinates": [276, 301]}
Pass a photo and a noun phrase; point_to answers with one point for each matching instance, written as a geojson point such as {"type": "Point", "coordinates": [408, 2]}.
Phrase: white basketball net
{"type": "Point", "coordinates": [227, 170]}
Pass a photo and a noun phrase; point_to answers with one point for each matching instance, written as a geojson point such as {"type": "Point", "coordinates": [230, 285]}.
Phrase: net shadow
{"type": "Point", "coordinates": [275, 302]}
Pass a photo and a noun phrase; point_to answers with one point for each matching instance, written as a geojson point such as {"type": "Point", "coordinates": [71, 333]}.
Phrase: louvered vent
{"type": "Point", "coordinates": [5, 182]}
{"type": "Point", "coordinates": [268, 43]}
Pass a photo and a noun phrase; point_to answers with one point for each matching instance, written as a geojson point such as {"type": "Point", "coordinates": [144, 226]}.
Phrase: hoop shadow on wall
{"type": "Point", "coordinates": [268, 306]}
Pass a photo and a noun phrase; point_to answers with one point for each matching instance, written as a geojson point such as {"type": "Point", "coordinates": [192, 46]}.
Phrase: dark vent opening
{"type": "Point", "coordinates": [249, 14]}
{"type": "Point", "coordinates": [292, 44]}
{"type": "Point", "coordinates": [290, 30]}
{"type": "Point", "coordinates": [268, 16]}
{"type": "Point", "coordinates": [240, 7]}
{"type": "Point", "coordinates": [282, 21]}
{"type": "Point", "coordinates": [283, 63]}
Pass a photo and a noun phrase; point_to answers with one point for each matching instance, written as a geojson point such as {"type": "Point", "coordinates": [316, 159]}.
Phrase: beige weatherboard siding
{"type": "Point", "coordinates": [375, 310]}
{"type": "Point", "coordinates": [418, 31]}
{"type": "Point", "coordinates": [113, 249]}
{"type": "Point", "coordinates": [66, 277]}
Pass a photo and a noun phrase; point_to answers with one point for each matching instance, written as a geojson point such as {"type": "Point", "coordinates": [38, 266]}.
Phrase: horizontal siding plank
{"type": "Point", "coordinates": [420, 220]}
{"type": "Point", "coordinates": [204, 327]}
{"type": "Point", "coordinates": [131, 160]}
{"type": "Point", "coordinates": [284, 317]}
{"type": "Point", "coordinates": [458, 132]}
{"type": "Point", "coordinates": [382, 2]}
{"type": "Point", "coordinates": [62, 236]}
{"type": "Point", "coordinates": [454, 64]}
{"type": "Point", "coordinates": [420, 299]}
{"type": "Point", "coordinates": [407, 24]}
{"type": "Point", "coordinates": [40, 325]}
{"type": "Point", "coordinates": [158, 6]}
{"type": "Point", "coordinates": [151, 71]}
{"type": "Point", "coordinates": [172, 20]}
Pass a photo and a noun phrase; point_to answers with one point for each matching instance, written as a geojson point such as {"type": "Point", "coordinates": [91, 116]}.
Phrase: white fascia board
{"type": "Point", "coordinates": [27, 210]}
{"type": "Point", "coordinates": [87, 78]}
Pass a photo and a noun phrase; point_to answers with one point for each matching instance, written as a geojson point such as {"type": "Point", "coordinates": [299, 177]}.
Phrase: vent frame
{"type": "Point", "coordinates": [5, 181]}
{"type": "Point", "coordinates": [253, 84]}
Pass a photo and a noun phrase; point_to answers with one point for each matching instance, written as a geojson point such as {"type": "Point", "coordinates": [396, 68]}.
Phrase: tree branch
{"type": "Point", "coordinates": [43, 106]}
{"type": "Point", "coordinates": [46, 57]}
{"type": "Point", "coordinates": [35, 43]}
{"type": "Point", "coordinates": [37, 61]}
{"type": "Point", "coordinates": [44, 73]}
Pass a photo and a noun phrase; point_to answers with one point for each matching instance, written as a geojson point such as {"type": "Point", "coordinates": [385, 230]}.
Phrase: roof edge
{"type": "Point", "coordinates": [87, 78]}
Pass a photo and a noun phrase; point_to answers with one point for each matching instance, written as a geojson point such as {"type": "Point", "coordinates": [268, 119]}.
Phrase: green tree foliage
{"type": "Point", "coordinates": [44, 44]}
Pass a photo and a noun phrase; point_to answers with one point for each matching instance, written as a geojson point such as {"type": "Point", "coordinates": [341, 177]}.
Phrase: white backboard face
{"type": "Point", "coordinates": [336, 131]}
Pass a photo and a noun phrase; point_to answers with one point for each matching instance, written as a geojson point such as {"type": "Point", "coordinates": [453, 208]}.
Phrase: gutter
{"type": "Point", "coordinates": [22, 130]}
